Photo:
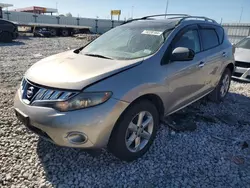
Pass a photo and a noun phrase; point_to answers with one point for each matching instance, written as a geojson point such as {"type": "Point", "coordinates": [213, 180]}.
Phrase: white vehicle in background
{"type": "Point", "coordinates": [242, 60]}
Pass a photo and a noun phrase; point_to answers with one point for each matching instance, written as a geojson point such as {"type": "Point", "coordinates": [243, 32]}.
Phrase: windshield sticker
{"type": "Point", "coordinates": [148, 32]}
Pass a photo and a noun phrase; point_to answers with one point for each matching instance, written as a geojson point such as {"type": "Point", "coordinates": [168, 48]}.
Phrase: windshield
{"type": "Point", "coordinates": [124, 43]}
{"type": "Point", "coordinates": [245, 43]}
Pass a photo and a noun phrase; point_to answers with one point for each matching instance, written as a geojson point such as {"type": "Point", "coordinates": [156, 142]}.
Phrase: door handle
{"type": "Point", "coordinates": [201, 64]}
{"type": "Point", "coordinates": [224, 54]}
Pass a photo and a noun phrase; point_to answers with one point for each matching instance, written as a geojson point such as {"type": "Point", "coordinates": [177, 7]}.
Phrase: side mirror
{"type": "Point", "coordinates": [182, 54]}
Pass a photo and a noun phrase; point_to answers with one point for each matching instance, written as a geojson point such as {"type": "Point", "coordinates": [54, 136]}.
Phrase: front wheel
{"type": "Point", "coordinates": [222, 88]}
{"type": "Point", "coordinates": [135, 131]}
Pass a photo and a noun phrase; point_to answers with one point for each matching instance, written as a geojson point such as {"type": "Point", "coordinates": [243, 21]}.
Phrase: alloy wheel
{"type": "Point", "coordinates": [225, 85]}
{"type": "Point", "coordinates": [139, 131]}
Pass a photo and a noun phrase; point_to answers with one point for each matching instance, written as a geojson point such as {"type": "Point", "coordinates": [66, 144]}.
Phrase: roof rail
{"type": "Point", "coordinates": [182, 17]}
{"type": "Point", "coordinates": [157, 15]}
{"type": "Point", "coordinates": [196, 18]}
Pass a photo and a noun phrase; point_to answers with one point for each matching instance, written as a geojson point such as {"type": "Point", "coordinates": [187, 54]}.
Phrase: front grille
{"type": "Point", "coordinates": [31, 92]}
{"type": "Point", "coordinates": [242, 64]}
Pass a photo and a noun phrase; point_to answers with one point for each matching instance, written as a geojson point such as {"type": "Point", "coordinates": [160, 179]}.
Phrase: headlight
{"type": "Point", "coordinates": [82, 100]}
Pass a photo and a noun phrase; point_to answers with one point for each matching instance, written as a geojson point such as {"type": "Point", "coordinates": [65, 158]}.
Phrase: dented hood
{"type": "Point", "coordinates": [69, 70]}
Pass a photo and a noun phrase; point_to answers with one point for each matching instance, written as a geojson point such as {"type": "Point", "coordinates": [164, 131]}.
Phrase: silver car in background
{"type": "Point", "coordinates": [115, 90]}
{"type": "Point", "coordinates": [242, 60]}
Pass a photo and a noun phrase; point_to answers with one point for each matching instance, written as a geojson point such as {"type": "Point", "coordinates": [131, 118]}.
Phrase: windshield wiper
{"type": "Point", "coordinates": [98, 55]}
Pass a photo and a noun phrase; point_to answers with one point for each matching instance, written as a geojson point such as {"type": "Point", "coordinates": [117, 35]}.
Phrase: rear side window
{"type": "Point", "coordinates": [209, 38]}
{"type": "Point", "coordinates": [220, 32]}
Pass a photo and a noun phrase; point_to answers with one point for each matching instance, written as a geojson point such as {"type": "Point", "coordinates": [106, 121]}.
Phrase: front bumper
{"type": "Point", "coordinates": [242, 73]}
{"type": "Point", "coordinates": [96, 123]}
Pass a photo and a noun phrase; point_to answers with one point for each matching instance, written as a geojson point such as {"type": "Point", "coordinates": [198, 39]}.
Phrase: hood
{"type": "Point", "coordinates": [69, 70]}
{"type": "Point", "coordinates": [242, 54]}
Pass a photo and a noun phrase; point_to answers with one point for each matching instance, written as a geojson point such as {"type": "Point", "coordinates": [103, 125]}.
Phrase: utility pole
{"type": "Point", "coordinates": [57, 9]}
{"type": "Point", "coordinates": [166, 11]}
{"type": "Point", "coordinates": [241, 14]}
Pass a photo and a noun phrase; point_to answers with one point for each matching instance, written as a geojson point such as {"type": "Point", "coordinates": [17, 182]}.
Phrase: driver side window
{"type": "Point", "coordinates": [189, 39]}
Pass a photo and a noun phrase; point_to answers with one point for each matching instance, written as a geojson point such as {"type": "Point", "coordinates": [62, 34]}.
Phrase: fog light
{"type": "Point", "coordinates": [77, 138]}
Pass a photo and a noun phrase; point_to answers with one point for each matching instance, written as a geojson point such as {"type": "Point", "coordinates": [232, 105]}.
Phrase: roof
{"type": "Point", "coordinates": [36, 8]}
{"type": "Point", "coordinates": [170, 20]}
{"type": "Point", "coordinates": [160, 24]}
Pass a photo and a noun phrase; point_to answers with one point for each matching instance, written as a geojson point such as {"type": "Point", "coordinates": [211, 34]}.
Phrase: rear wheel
{"type": "Point", "coordinates": [5, 37]}
{"type": "Point", "coordinates": [222, 88]}
{"type": "Point", "coordinates": [135, 131]}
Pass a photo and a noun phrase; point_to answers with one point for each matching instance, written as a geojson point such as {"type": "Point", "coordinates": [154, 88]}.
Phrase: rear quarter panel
{"type": "Point", "coordinates": [228, 47]}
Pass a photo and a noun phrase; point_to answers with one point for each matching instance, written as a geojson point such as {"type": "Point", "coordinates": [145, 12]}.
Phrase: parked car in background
{"type": "Point", "coordinates": [242, 60]}
{"type": "Point", "coordinates": [42, 32]}
{"type": "Point", "coordinates": [115, 90]}
{"type": "Point", "coordinates": [8, 31]}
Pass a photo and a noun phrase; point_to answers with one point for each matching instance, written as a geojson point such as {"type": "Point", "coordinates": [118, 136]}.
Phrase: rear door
{"type": "Point", "coordinates": [184, 79]}
{"type": "Point", "coordinates": [212, 38]}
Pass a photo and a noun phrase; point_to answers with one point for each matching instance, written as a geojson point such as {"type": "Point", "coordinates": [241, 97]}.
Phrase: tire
{"type": "Point", "coordinates": [217, 95]}
{"type": "Point", "coordinates": [5, 37]}
{"type": "Point", "coordinates": [119, 142]}
{"type": "Point", "coordinates": [53, 32]}
{"type": "Point", "coordinates": [65, 32]}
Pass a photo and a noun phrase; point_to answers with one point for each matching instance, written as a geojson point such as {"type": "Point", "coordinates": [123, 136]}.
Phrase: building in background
{"type": "Point", "coordinates": [37, 10]}
{"type": "Point", "coordinates": [3, 5]}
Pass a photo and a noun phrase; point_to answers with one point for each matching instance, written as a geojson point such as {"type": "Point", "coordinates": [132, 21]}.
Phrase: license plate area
{"type": "Point", "coordinates": [22, 117]}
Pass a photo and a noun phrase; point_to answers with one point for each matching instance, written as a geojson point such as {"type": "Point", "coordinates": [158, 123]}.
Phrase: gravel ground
{"type": "Point", "coordinates": [216, 154]}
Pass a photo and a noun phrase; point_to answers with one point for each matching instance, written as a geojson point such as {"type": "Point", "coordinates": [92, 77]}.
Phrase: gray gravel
{"type": "Point", "coordinates": [210, 156]}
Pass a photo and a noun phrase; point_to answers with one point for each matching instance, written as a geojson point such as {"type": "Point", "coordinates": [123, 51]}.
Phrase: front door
{"type": "Point", "coordinates": [185, 81]}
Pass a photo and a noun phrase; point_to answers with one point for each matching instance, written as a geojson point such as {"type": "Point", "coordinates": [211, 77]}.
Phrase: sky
{"type": "Point", "coordinates": [227, 10]}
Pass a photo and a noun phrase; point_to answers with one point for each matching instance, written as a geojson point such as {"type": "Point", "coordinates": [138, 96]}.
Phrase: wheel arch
{"type": "Point", "coordinates": [153, 98]}
{"type": "Point", "coordinates": [231, 67]}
